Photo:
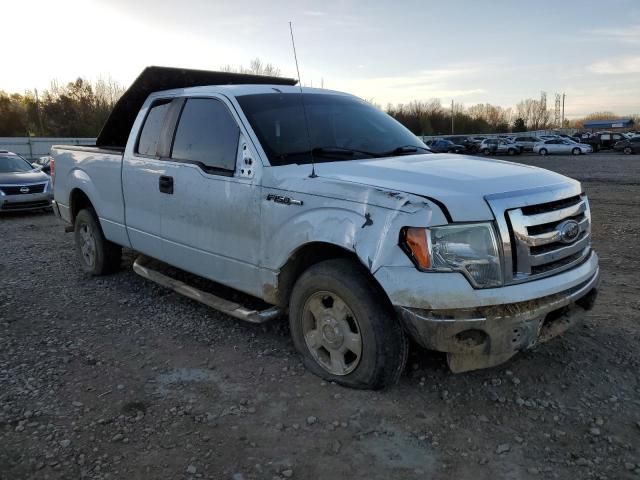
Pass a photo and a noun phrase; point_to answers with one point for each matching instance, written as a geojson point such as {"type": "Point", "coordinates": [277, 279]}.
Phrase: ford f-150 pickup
{"type": "Point", "coordinates": [316, 204]}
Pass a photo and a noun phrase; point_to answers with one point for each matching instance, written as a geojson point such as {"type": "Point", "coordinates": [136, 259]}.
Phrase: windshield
{"type": "Point", "coordinates": [13, 163]}
{"type": "Point", "coordinates": [340, 128]}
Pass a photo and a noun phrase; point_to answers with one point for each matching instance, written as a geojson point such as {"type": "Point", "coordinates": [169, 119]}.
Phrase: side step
{"type": "Point", "coordinates": [142, 266]}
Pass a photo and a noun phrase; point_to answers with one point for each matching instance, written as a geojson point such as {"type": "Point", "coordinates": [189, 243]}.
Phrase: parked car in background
{"type": "Point", "coordinates": [601, 140]}
{"type": "Point", "coordinates": [473, 144]}
{"type": "Point", "coordinates": [496, 146]}
{"type": "Point", "coordinates": [445, 146]}
{"type": "Point", "coordinates": [559, 146]}
{"type": "Point", "coordinates": [628, 146]}
{"type": "Point", "coordinates": [457, 139]}
{"type": "Point", "coordinates": [526, 143]}
{"type": "Point", "coordinates": [22, 186]}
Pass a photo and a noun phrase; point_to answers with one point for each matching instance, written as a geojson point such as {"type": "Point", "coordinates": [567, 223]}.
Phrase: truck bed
{"type": "Point", "coordinates": [94, 172]}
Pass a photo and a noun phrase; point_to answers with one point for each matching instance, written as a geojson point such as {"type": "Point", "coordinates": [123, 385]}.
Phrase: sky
{"type": "Point", "coordinates": [469, 51]}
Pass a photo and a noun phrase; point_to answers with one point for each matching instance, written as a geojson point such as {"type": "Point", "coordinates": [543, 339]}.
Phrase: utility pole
{"type": "Point", "coordinates": [451, 116]}
{"type": "Point", "coordinates": [563, 95]}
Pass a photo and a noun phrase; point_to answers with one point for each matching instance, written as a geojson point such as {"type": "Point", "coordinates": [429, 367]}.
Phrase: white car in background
{"type": "Point", "coordinates": [560, 146]}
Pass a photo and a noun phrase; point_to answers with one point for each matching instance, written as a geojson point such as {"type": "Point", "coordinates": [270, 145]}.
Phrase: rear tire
{"type": "Point", "coordinates": [542, 151]}
{"type": "Point", "coordinates": [344, 328]}
{"type": "Point", "coordinates": [627, 151]}
{"type": "Point", "coordinates": [486, 151]}
{"type": "Point", "coordinates": [511, 151]}
{"type": "Point", "coordinates": [97, 255]}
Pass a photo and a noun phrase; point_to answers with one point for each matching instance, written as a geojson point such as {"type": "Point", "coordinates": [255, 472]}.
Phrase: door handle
{"type": "Point", "coordinates": [165, 184]}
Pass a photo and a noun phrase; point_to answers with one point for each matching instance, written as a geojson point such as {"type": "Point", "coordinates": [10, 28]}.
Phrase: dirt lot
{"type": "Point", "coordinates": [118, 378]}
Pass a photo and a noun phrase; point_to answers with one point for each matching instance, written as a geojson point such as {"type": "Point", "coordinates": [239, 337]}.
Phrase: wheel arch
{"type": "Point", "coordinates": [303, 258]}
{"type": "Point", "coordinates": [78, 200]}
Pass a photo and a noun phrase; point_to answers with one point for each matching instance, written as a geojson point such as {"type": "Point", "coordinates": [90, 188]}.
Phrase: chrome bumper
{"type": "Point", "coordinates": [486, 336]}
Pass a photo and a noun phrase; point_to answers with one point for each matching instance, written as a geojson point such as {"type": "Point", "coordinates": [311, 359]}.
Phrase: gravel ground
{"type": "Point", "coordinates": [118, 378]}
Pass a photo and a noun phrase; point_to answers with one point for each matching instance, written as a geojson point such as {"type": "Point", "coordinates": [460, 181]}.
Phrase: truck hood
{"type": "Point", "coordinates": [22, 178]}
{"type": "Point", "coordinates": [460, 182]}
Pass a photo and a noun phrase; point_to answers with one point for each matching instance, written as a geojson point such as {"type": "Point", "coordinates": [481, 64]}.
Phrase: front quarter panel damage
{"type": "Point", "coordinates": [359, 218]}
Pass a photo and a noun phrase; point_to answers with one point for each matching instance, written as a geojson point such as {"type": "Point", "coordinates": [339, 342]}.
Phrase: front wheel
{"type": "Point", "coordinates": [97, 255]}
{"type": "Point", "coordinates": [576, 151]}
{"type": "Point", "coordinates": [486, 151]}
{"type": "Point", "coordinates": [543, 151]}
{"type": "Point", "coordinates": [627, 151]}
{"type": "Point", "coordinates": [511, 151]}
{"type": "Point", "coordinates": [344, 328]}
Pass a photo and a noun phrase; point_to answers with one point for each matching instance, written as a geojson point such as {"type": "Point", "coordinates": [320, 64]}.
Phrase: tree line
{"type": "Point", "coordinates": [80, 108]}
{"type": "Point", "coordinates": [77, 109]}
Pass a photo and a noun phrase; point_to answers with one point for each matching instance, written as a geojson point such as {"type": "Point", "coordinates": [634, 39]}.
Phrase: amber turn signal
{"type": "Point", "coordinates": [416, 242]}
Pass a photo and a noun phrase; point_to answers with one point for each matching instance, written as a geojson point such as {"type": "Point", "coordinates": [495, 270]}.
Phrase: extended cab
{"type": "Point", "coordinates": [318, 205]}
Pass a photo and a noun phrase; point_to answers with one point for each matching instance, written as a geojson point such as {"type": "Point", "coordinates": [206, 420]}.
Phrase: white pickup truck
{"type": "Point", "coordinates": [315, 204]}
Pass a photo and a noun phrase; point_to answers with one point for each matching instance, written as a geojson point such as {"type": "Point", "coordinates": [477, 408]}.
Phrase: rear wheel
{"type": "Point", "coordinates": [97, 255]}
{"type": "Point", "coordinates": [576, 151]}
{"type": "Point", "coordinates": [511, 151]}
{"type": "Point", "coordinates": [344, 328]}
{"type": "Point", "coordinates": [627, 151]}
{"type": "Point", "coordinates": [543, 151]}
{"type": "Point", "coordinates": [486, 151]}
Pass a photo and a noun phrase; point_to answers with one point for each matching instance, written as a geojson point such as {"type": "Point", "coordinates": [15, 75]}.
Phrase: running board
{"type": "Point", "coordinates": [142, 267]}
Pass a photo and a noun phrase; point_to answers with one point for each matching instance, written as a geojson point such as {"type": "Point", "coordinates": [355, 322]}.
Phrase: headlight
{"type": "Point", "coordinates": [469, 248]}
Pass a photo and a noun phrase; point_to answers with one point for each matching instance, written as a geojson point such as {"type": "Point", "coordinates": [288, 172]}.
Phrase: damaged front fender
{"type": "Point", "coordinates": [358, 218]}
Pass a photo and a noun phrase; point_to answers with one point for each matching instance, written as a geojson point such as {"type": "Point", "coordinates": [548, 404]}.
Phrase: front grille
{"type": "Point", "coordinates": [26, 205]}
{"type": "Point", "coordinates": [16, 189]}
{"type": "Point", "coordinates": [529, 226]}
{"type": "Point", "coordinates": [539, 247]}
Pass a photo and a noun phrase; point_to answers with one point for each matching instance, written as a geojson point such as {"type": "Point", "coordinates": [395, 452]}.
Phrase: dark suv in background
{"type": "Point", "coordinates": [628, 146]}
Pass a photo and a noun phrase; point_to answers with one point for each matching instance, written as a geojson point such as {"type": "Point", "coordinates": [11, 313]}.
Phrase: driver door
{"type": "Point", "coordinates": [210, 221]}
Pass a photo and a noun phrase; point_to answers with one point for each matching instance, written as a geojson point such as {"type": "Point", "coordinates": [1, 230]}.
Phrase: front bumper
{"type": "Point", "coordinates": [485, 336]}
{"type": "Point", "coordinates": [24, 202]}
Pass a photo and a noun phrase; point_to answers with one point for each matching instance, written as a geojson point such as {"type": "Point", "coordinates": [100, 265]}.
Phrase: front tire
{"type": "Point", "coordinates": [97, 255]}
{"type": "Point", "coordinates": [511, 152]}
{"type": "Point", "coordinates": [344, 328]}
{"type": "Point", "coordinates": [627, 151]}
{"type": "Point", "coordinates": [576, 151]}
{"type": "Point", "coordinates": [486, 151]}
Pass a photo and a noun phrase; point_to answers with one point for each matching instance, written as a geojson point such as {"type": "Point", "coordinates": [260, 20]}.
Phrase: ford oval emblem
{"type": "Point", "coordinates": [568, 231]}
{"type": "Point", "coordinates": [24, 189]}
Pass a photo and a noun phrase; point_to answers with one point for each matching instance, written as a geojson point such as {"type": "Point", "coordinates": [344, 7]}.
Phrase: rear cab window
{"type": "Point", "coordinates": [153, 124]}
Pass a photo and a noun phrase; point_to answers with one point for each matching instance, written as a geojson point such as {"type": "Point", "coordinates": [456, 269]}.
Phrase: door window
{"type": "Point", "coordinates": [150, 135]}
{"type": "Point", "coordinates": [207, 134]}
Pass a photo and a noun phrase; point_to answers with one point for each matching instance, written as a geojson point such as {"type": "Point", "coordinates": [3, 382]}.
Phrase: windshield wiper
{"type": "Point", "coordinates": [340, 151]}
{"type": "Point", "coordinates": [405, 149]}
{"type": "Point", "coordinates": [328, 152]}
